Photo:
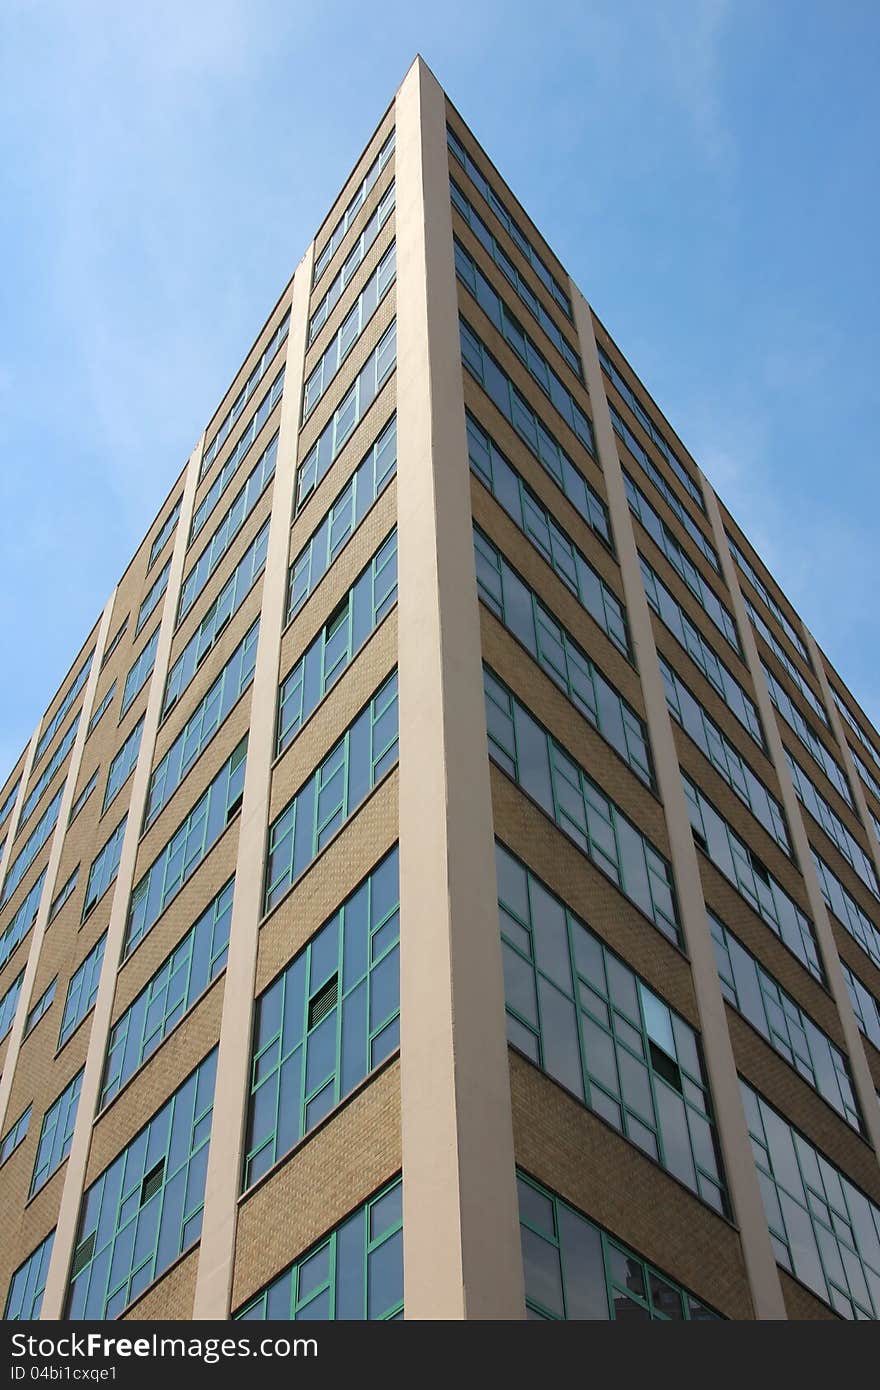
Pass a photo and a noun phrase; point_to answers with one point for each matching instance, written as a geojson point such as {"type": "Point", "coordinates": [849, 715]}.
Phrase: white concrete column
{"type": "Point", "coordinates": [232, 1088]}
{"type": "Point", "coordinates": [460, 1223]}
{"type": "Point", "coordinates": [739, 1163]}
{"type": "Point", "coordinates": [862, 1079]}
{"type": "Point", "coordinates": [50, 881]}
{"type": "Point", "coordinates": [77, 1160]}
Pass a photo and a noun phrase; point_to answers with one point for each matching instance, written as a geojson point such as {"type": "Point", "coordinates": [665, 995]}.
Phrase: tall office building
{"type": "Point", "coordinates": [446, 883]}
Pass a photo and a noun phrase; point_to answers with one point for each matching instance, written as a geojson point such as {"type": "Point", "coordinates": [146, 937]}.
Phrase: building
{"type": "Point", "coordinates": [440, 615]}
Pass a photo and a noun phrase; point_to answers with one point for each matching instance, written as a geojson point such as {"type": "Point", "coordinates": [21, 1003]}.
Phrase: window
{"type": "Point", "coordinates": [575, 1270]}
{"type": "Point", "coordinates": [326, 1021]}
{"type": "Point", "coordinates": [822, 1228]}
{"type": "Point", "coordinates": [844, 710]}
{"type": "Point", "coordinates": [56, 1134]}
{"type": "Point", "coordinates": [673, 616]}
{"type": "Point", "coordinates": [347, 415]}
{"type": "Point", "coordinates": [340, 522]}
{"type": "Point", "coordinates": [351, 262]}
{"type": "Point", "coordinates": [355, 1273]}
{"type": "Point", "coordinates": [105, 703]}
{"type": "Point", "coordinates": [574, 802]}
{"type": "Point", "coordinates": [563, 660]}
{"type": "Point", "coordinates": [824, 814]}
{"type": "Point", "coordinates": [759, 998]}
{"type": "Point", "coordinates": [245, 394]}
{"type": "Point", "coordinates": [228, 528]}
{"type": "Point", "coordinates": [356, 202]}
{"type": "Point", "coordinates": [82, 991]}
{"type": "Point", "coordinates": [57, 719]}
{"type": "Point", "coordinates": [154, 597]}
{"type": "Point", "coordinates": [202, 724]}
{"type": "Point", "coordinates": [8, 1005]}
{"type": "Point", "coordinates": [42, 1006]}
{"type": "Point", "coordinates": [123, 764]}
{"type": "Point", "coordinates": [104, 868]}
{"type": "Point", "coordinates": [714, 744]}
{"type": "Point", "coordinates": [807, 735]}
{"type": "Point", "coordinates": [847, 911]}
{"type": "Point", "coordinates": [140, 672]}
{"type": "Point", "coordinates": [218, 616]}
{"type": "Point", "coordinates": [349, 331]}
{"type": "Point", "coordinates": [146, 1208]}
{"type": "Point", "coordinates": [181, 978]}
{"type": "Point", "coordinates": [761, 588]}
{"type": "Point", "coordinates": [782, 656]}
{"type": "Point", "coordinates": [556, 548]}
{"type": "Point", "coordinates": [370, 598]}
{"type": "Point", "coordinates": [741, 867]}
{"type": "Point", "coordinates": [47, 774]}
{"type": "Point", "coordinates": [366, 751]}
{"type": "Point", "coordinates": [10, 801]}
{"type": "Point", "coordinates": [31, 847]}
{"type": "Point", "coordinates": [623, 388]}
{"type": "Point", "coordinates": [586, 1019]}
{"type": "Point", "coordinates": [517, 236]}
{"type": "Point", "coordinates": [165, 531]}
{"type": "Point", "coordinates": [187, 847]}
{"type": "Point", "coordinates": [865, 1006]}
{"type": "Point", "coordinates": [114, 643]}
{"type": "Point", "coordinates": [84, 795]}
{"type": "Point", "coordinates": [25, 916]}
{"type": "Point", "coordinates": [264, 467]}
{"type": "Point", "coordinates": [14, 1136]}
{"type": "Point", "coordinates": [25, 1297]}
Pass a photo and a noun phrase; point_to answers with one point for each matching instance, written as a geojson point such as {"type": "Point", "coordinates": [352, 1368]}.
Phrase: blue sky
{"type": "Point", "coordinates": [706, 170]}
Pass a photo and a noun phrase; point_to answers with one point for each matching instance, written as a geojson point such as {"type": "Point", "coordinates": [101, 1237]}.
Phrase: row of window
{"type": "Point", "coordinates": [761, 588]}
{"type": "Point", "coordinates": [228, 528]}
{"type": "Point", "coordinates": [123, 626]}
{"type": "Point", "coordinates": [15, 1135]}
{"type": "Point", "coordinates": [342, 518]}
{"type": "Point", "coordinates": [41, 1008]}
{"type": "Point", "coordinates": [8, 1005]}
{"type": "Point", "coordinates": [741, 866]}
{"type": "Point", "coordinates": [686, 709]}
{"type": "Point", "coordinates": [352, 621]}
{"type": "Point", "coordinates": [137, 677]}
{"type": "Point", "coordinates": [131, 685]}
{"type": "Point", "coordinates": [163, 535]}
{"type": "Point", "coordinates": [870, 782]}
{"type": "Point", "coordinates": [25, 916]}
{"type": "Point", "coordinates": [517, 236]}
{"type": "Point", "coordinates": [123, 764]}
{"type": "Point", "coordinates": [786, 662]}
{"type": "Point", "coordinates": [518, 283]}
{"type": "Point", "coordinates": [624, 390]}
{"type": "Point", "coordinates": [10, 800]}
{"type": "Point", "coordinates": [84, 795]}
{"type": "Point", "coordinates": [583, 1016]}
{"type": "Point", "coordinates": [63, 895]}
{"type": "Point", "coordinates": [343, 277]}
{"type": "Point", "coordinates": [560, 656]}
{"type": "Point", "coordinates": [673, 616]}
{"type": "Point", "coordinates": [237, 457]}
{"type": "Point", "coordinates": [810, 797]}
{"type": "Point", "coordinates": [244, 395]}
{"type": "Point", "coordinates": [755, 994]}
{"type": "Point", "coordinates": [524, 346]}
{"type": "Point", "coordinates": [347, 415]}
{"type": "Point", "coordinates": [356, 202]}
{"type": "Point", "coordinates": [573, 801]}
{"type": "Point", "coordinates": [665, 541]}
{"type": "Point", "coordinates": [57, 719]}
{"type": "Point", "coordinates": [154, 597]}
{"type": "Point", "coordinates": [47, 774]}
{"type": "Point", "coordinates": [538, 525]}
{"type": "Point", "coordinates": [105, 867]}
{"type": "Point", "coordinates": [31, 847]}
{"type": "Point", "coordinates": [865, 1006]}
{"type": "Point", "coordinates": [349, 331]}
{"type": "Point", "coordinates": [847, 910]}
{"type": "Point", "coordinates": [811, 741]}
{"type": "Point", "coordinates": [844, 710]}
{"type": "Point", "coordinates": [56, 1134]}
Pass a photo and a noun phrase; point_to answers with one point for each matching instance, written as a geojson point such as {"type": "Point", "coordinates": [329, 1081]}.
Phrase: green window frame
{"type": "Point", "coordinates": [577, 805]}
{"type": "Point", "coordinates": [105, 867]}
{"type": "Point", "coordinates": [764, 593]}
{"type": "Point", "coordinates": [552, 646]}
{"type": "Point", "coordinates": [343, 277]}
{"type": "Point", "coordinates": [186, 849]}
{"type": "Point", "coordinates": [25, 916]}
{"type": "Point", "coordinates": [801, 726]}
{"type": "Point", "coordinates": [350, 771]}
{"type": "Point", "coordinates": [824, 815]}
{"type": "Point", "coordinates": [41, 1008]}
{"type": "Point", "coordinates": [170, 993]}
{"type": "Point", "coordinates": [8, 1005]}
{"type": "Point", "coordinates": [107, 700]}
{"type": "Point", "coordinates": [203, 724]}
{"type": "Point", "coordinates": [349, 331]}
{"type": "Point", "coordinates": [352, 622]}
{"type": "Point", "coordinates": [341, 520]}
{"type": "Point", "coordinates": [145, 1209]}
{"type": "Point", "coordinates": [238, 455]}
{"type": "Point", "coordinates": [772, 1012]}
{"type": "Point", "coordinates": [356, 202]}
{"type": "Point", "coordinates": [823, 1230]}
{"type": "Point", "coordinates": [575, 1270]}
{"type": "Point", "coordinates": [260, 415]}
{"type": "Point", "coordinates": [354, 1273]}
{"type": "Point", "coordinates": [47, 774]}
{"type": "Point", "coordinates": [165, 531]}
{"type": "Point", "coordinates": [847, 911]}
{"type": "Point", "coordinates": [139, 674]}
{"type": "Point", "coordinates": [65, 893]}
{"type": "Point", "coordinates": [585, 1018]}
{"type": "Point", "coordinates": [328, 1020]}
{"type": "Point", "coordinates": [25, 1297]}
{"type": "Point", "coordinates": [865, 1006]}
{"type": "Point", "coordinates": [228, 528]}
{"type": "Point", "coordinates": [741, 866]}
{"type": "Point", "coordinates": [123, 764]}
{"type": "Point", "coordinates": [15, 1135]}
{"type": "Point", "coordinates": [58, 717]}
{"type": "Point", "coordinates": [805, 689]}
{"type": "Point", "coordinates": [82, 991]}
{"type": "Point", "coordinates": [10, 800]}
{"type": "Point", "coordinates": [626, 392]}
{"type": "Point", "coordinates": [32, 846]}
{"type": "Point", "coordinates": [154, 597]}
{"type": "Point", "coordinates": [56, 1133]}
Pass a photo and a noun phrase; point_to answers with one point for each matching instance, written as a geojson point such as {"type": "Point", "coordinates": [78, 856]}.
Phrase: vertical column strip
{"type": "Point", "coordinates": [862, 1079]}
{"type": "Point", "coordinates": [739, 1163]}
{"type": "Point", "coordinates": [223, 1182]}
{"type": "Point", "coordinates": [12, 828]}
{"type": "Point", "coordinates": [42, 919]}
{"type": "Point", "coordinates": [77, 1160]}
{"type": "Point", "coordinates": [460, 1226]}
